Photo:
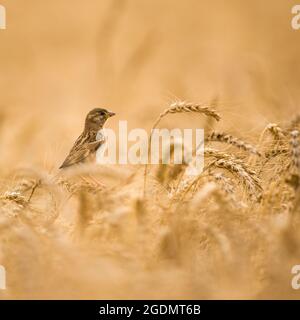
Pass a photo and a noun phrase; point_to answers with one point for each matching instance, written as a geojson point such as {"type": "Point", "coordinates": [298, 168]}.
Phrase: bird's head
{"type": "Point", "coordinates": [96, 118]}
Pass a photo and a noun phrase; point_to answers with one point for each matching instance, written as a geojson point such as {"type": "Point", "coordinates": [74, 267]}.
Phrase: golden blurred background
{"type": "Point", "coordinates": [60, 58]}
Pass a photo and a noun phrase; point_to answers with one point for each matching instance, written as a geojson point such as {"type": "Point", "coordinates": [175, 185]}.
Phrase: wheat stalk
{"type": "Point", "coordinates": [277, 132]}
{"type": "Point", "coordinates": [187, 107]}
{"type": "Point", "coordinates": [226, 182]}
{"type": "Point", "coordinates": [229, 139]}
{"type": "Point", "coordinates": [239, 169]}
{"type": "Point", "coordinates": [179, 107]}
{"type": "Point", "coordinates": [276, 152]}
{"type": "Point", "coordinates": [294, 166]}
{"type": "Point", "coordinates": [295, 150]}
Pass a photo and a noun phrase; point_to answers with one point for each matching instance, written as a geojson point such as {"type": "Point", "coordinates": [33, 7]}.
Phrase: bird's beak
{"type": "Point", "coordinates": [111, 114]}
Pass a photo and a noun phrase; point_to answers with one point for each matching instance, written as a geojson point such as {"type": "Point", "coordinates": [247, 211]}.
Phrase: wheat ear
{"type": "Point", "coordinates": [186, 107]}
{"type": "Point", "coordinates": [179, 107]}
{"type": "Point", "coordinates": [227, 138]}
{"type": "Point", "coordinates": [239, 169]}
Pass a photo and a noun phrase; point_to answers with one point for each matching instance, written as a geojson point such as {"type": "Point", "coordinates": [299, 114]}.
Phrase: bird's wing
{"type": "Point", "coordinates": [75, 156]}
{"type": "Point", "coordinates": [80, 152]}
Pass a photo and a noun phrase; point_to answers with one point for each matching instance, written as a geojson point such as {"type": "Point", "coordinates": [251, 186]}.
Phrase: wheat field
{"type": "Point", "coordinates": [231, 232]}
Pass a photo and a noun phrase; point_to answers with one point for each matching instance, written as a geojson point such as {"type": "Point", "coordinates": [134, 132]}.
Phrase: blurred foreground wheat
{"type": "Point", "coordinates": [231, 232]}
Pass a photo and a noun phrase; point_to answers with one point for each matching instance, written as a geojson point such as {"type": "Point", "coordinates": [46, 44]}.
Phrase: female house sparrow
{"type": "Point", "coordinates": [86, 145]}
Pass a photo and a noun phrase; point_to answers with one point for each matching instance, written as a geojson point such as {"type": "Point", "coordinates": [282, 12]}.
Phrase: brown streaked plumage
{"type": "Point", "coordinates": [86, 144]}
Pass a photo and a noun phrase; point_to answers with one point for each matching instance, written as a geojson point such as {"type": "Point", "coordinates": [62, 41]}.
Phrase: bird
{"type": "Point", "coordinates": [87, 144]}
